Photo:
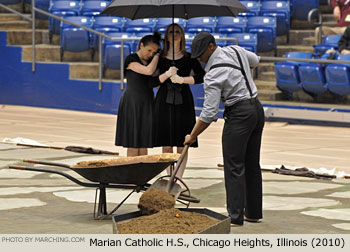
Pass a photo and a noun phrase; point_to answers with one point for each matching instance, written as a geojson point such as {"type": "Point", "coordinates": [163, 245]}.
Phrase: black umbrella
{"type": "Point", "coordinates": [137, 9]}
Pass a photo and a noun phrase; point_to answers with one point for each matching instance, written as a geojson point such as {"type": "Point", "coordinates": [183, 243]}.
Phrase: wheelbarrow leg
{"type": "Point", "coordinates": [119, 205]}
{"type": "Point", "coordinates": [102, 203]}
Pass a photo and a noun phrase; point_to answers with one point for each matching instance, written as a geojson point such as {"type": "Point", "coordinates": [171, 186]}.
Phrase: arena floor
{"type": "Point", "coordinates": [42, 203]}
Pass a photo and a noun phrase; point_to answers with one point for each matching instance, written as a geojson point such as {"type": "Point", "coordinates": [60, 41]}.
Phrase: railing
{"type": "Point", "coordinates": [317, 22]}
{"type": "Point", "coordinates": [316, 61]}
{"type": "Point", "coordinates": [16, 12]}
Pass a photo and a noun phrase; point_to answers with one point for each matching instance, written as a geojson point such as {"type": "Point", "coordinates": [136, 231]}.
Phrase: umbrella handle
{"type": "Point", "coordinates": [178, 164]}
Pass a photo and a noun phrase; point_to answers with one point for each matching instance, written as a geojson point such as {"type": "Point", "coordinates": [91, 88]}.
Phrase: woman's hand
{"type": "Point", "coordinates": [177, 79]}
{"type": "Point", "coordinates": [171, 71]}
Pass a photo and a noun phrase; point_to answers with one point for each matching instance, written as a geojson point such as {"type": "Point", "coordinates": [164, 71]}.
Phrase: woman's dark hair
{"type": "Point", "coordinates": [154, 38]}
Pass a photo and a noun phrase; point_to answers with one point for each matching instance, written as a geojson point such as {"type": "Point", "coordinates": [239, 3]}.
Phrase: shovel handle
{"type": "Point", "coordinates": [178, 163]}
{"type": "Point", "coordinates": [46, 163]}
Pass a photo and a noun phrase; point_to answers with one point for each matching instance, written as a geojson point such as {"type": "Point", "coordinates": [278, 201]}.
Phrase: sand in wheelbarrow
{"type": "Point", "coordinates": [167, 221]}
{"type": "Point", "coordinates": [154, 200]}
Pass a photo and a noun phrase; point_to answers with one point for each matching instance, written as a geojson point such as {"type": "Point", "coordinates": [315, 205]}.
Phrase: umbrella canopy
{"type": "Point", "coordinates": [137, 9]}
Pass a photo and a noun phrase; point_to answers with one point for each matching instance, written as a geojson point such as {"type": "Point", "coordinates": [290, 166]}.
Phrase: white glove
{"type": "Point", "coordinates": [177, 79]}
{"type": "Point", "coordinates": [171, 71]}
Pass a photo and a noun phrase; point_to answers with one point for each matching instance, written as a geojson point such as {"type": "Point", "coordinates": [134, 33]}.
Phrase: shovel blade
{"type": "Point", "coordinates": [162, 184]}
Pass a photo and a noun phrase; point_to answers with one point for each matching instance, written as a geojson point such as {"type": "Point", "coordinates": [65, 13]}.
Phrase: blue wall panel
{"type": "Point", "coordinates": [49, 86]}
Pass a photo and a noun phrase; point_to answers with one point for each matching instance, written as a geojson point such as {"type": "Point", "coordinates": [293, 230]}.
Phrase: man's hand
{"type": "Point", "coordinates": [171, 71]}
{"type": "Point", "coordinates": [345, 51]}
{"type": "Point", "coordinates": [336, 13]}
{"type": "Point", "coordinates": [177, 79]}
{"type": "Point", "coordinates": [189, 139]}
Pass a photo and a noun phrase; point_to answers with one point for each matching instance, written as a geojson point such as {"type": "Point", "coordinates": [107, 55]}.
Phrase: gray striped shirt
{"type": "Point", "coordinates": [226, 83]}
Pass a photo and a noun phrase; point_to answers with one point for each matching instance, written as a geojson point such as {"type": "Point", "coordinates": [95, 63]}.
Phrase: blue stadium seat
{"type": "Point", "coordinates": [217, 36]}
{"type": "Point", "coordinates": [280, 10]}
{"type": "Point", "coordinates": [231, 24]}
{"type": "Point", "coordinates": [252, 6]}
{"type": "Point", "coordinates": [162, 23]}
{"type": "Point", "coordinates": [74, 39]}
{"type": "Point", "coordinates": [10, 1]}
{"type": "Point", "coordinates": [265, 28]}
{"type": "Point", "coordinates": [338, 77]}
{"type": "Point", "coordinates": [105, 24]}
{"type": "Point", "coordinates": [300, 8]}
{"type": "Point", "coordinates": [248, 41]}
{"type": "Point", "coordinates": [93, 8]}
{"type": "Point", "coordinates": [61, 8]}
{"type": "Point", "coordinates": [112, 50]}
{"type": "Point", "coordinates": [313, 79]}
{"type": "Point", "coordinates": [200, 24]}
{"type": "Point", "coordinates": [329, 42]}
{"type": "Point", "coordinates": [189, 42]}
{"type": "Point", "coordinates": [287, 75]}
{"type": "Point", "coordinates": [139, 25]}
{"type": "Point", "coordinates": [42, 5]}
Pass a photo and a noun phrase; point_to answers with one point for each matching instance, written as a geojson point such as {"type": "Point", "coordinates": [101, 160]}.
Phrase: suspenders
{"type": "Point", "coordinates": [241, 68]}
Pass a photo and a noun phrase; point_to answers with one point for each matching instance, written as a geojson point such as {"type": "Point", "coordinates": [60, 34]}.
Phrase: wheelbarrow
{"type": "Point", "coordinates": [133, 177]}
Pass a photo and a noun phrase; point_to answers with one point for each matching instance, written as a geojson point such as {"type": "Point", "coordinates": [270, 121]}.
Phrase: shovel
{"type": "Point", "coordinates": [170, 186]}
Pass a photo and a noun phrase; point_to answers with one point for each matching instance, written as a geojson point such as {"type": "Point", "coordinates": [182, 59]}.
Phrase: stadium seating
{"type": "Point", "coordinates": [300, 8]}
{"type": "Point", "coordinates": [265, 28]}
{"type": "Point", "coordinates": [93, 8]}
{"type": "Point", "coordinates": [248, 41]}
{"type": "Point", "coordinates": [217, 36]}
{"type": "Point", "coordinates": [74, 39]}
{"type": "Point", "coordinates": [338, 77]}
{"type": "Point", "coordinates": [10, 1]}
{"type": "Point", "coordinates": [105, 24]}
{"type": "Point", "coordinates": [252, 6]}
{"type": "Point", "coordinates": [287, 75]}
{"type": "Point", "coordinates": [61, 8]}
{"type": "Point", "coordinates": [42, 5]}
{"type": "Point", "coordinates": [200, 24]}
{"type": "Point", "coordinates": [329, 42]}
{"type": "Point", "coordinates": [280, 10]}
{"type": "Point", "coordinates": [162, 23]}
{"type": "Point", "coordinates": [231, 24]}
{"type": "Point", "coordinates": [139, 25]}
{"type": "Point", "coordinates": [189, 42]}
{"type": "Point", "coordinates": [313, 79]}
{"type": "Point", "coordinates": [111, 54]}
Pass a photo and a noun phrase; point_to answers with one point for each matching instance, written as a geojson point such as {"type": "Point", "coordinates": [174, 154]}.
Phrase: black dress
{"type": "Point", "coordinates": [135, 112]}
{"type": "Point", "coordinates": [174, 114]}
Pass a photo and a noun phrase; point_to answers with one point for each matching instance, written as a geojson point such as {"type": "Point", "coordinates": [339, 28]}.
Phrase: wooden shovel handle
{"type": "Point", "coordinates": [178, 164]}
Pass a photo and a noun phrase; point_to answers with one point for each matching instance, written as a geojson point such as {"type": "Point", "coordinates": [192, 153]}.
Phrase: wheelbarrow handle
{"type": "Point", "coordinates": [25, 168]}
{"type": "Point", "coordinates": [178, 164]}
{"type": "Point", "coordinates": [46, 163]}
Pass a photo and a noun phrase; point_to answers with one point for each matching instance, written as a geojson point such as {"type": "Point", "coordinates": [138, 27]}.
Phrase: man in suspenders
{"type": "Point", "coordinates": [228, 78]}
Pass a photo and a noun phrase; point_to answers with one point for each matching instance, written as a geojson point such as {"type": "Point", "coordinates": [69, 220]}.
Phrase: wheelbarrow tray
{"type": "Point", "coordinates": [222, 227]}
{"type": "Point", "coordinates": [137, 174]}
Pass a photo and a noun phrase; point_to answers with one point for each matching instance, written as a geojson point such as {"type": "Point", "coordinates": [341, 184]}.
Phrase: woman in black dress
{"type": "Point", "coordinates": [174, 115]}
{"type": "Point", "coordinates": [135, 112]}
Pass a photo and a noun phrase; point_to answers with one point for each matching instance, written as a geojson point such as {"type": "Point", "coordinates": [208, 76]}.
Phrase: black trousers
{"type": "Point", "coordinates": [241, 142]}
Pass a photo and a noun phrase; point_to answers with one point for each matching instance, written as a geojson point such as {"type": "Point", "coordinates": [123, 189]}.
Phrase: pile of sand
{"type": "Point", "coordinates": [154, 200]}
{"type": "Point", "coordinates": [165, 157]}
{"type": "Point", "coordinates": [167, 221]}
